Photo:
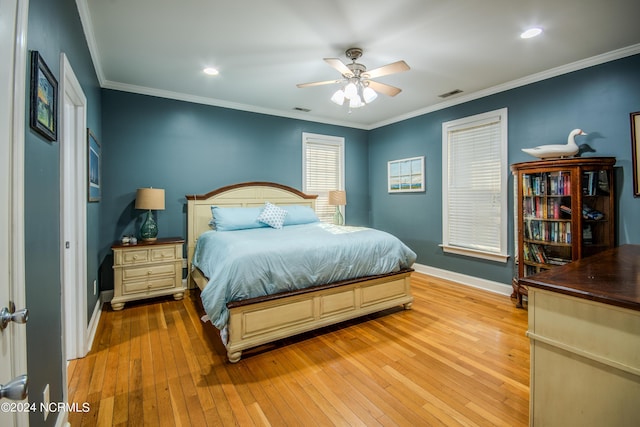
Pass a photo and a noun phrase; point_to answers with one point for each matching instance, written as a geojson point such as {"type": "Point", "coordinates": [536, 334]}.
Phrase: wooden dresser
{"type": "Point", "coordinates": [584, 328]}
{"type": "Point", "coordinates": [146, 270]}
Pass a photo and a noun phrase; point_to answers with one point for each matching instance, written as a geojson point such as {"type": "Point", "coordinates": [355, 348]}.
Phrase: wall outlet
{"type": "Point", "coordinates": [46, 401]}
{"type": "Point", "coordinates": [95, 287]}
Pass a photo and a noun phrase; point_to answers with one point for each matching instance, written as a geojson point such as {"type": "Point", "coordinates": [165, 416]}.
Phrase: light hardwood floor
{"type": "Point", "coordinates": [459, 357]}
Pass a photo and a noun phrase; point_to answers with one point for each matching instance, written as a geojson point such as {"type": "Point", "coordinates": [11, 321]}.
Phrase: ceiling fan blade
{"type": "Point", "coordinates": [385, 70]}
{"type": "Point", "coordinates": [326, 82]}
{"type": "Point", "coordinates": [384, 88]}
{"type": "Point", "coordinates": [339, 65]}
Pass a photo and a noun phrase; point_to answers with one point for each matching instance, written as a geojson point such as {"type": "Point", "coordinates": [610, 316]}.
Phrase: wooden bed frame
{"type": "Point", "coordinates": [266, 319]}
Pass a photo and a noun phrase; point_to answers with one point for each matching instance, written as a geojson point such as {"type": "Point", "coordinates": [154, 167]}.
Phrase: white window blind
{"type": "Point", "coordinates": [475, 185]}
{"type": "Point", "coordinates": [322, 170]}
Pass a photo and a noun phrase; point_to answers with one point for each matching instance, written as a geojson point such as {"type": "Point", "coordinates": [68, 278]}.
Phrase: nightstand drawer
{"type": "Point", "coordinates": [148, 271]}
{"type": "Point", "coordinates": [148, 285]}
{"type": "Point", "coordinates": [164, 254]}
{"type": "Point", "coordinates": [135, 256]}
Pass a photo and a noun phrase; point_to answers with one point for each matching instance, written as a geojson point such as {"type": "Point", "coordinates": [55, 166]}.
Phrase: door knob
{"type": "Point", "coordinates": [16, 389]}
{"type": "Point", "coordinates": [6, 316]}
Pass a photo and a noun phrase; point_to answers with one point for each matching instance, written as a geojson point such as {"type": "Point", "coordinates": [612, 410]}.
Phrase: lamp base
{"type": "Point", "coordinates": [149, 229]}
{"type": "Point", "coordinates": [338, 219]}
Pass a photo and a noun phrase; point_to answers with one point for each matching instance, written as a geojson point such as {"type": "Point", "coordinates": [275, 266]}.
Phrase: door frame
{"type": "Point", "coordinates": [15, 134]}
{"type": "Point", "coordinates": [73, 218]}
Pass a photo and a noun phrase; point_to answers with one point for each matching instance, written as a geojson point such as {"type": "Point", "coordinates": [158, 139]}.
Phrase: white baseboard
{"type": "Point", "coordinates": [93, 324]}
{"type": "Point", "coordinates": [463, 279]}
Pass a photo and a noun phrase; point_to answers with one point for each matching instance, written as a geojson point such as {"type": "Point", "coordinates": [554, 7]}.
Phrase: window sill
{"type": "Point", "coordinates": [491, 256]}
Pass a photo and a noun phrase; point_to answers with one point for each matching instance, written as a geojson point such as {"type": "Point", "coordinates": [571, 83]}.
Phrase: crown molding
{"type": "Point", "coordinates": [533, 78]}
{"type": "Point", "coordinates": [87, 27]}
{"type": "Point", "coordinates": [142, 90]}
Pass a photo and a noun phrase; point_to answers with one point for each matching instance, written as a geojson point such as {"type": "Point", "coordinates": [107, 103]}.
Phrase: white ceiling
{"type": "Point", "coordinates": [263, 48]}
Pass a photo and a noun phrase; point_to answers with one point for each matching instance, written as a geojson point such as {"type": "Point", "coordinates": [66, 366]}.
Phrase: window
{"type": "Point", "coordinates": [474, 186]}
{"type": "Point", "coordinates": [322, 170]}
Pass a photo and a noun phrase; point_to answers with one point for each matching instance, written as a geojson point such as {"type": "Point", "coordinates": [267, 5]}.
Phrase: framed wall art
{"type": "Point", "coordinates": [406, 175]}
{"type": "Point", "coordinates": [93, 167]}
{"type": "Point", "coordinates": [635, 152]}
{"type": "Point", "coordinates": [43, 111]}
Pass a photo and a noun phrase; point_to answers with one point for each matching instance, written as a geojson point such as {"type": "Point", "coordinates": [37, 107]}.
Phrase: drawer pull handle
{"type": "Point", "coordinates": [149, 272]}
{"type": "Point", "coordinates": [135, 257]}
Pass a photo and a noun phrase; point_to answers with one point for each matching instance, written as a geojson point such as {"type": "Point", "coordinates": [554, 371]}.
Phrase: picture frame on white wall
{"type": "Point", "coordinates": [406, 175]}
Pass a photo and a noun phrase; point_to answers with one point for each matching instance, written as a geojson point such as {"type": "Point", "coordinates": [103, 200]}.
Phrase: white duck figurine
{"type": "Point", "coordinates": [557, 150]}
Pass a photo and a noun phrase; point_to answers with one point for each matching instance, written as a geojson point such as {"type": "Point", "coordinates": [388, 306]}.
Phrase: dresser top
{"type": "Point", "coordinates": [142, 243]}
{"type": "Point", "coordinates": [610, 277]}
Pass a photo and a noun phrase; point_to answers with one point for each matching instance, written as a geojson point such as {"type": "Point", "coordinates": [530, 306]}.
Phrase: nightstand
{"type": "Point", "coordinates": [147, 270]}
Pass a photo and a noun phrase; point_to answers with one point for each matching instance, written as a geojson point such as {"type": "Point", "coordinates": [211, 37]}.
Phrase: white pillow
{"type": "Point", "coordinates": [272, 215]}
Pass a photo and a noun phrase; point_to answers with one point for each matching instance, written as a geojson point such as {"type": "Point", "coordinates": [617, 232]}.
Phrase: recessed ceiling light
{"type": "Point", "coordinates": [531, 32]}
{"type": "Point", "coordinates": [211, 71]}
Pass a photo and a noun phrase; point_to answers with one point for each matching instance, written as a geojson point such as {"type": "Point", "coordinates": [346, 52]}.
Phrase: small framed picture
{"type": "Point", "coordinates": [635, 152]}
{"type": "Point", "coordinates": [406, 175]}
{"type": "Point", "coordinates": [43, 110]}
{"type": "Point", "coordinates": [93, 163]}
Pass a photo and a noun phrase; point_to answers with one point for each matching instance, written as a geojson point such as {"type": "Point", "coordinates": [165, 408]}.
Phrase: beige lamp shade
{"type": "Point", "coordinates": [150, 199]}
{"type": "Point", "coordinates": [338, 197]}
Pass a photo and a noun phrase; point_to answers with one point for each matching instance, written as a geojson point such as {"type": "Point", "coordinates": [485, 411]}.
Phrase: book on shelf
{"type": "Point", "coordinates": [592, 214]}
{"type": "Point", "coordinates": [548, 231]}
{"type": "Point", "coordinates": [535, 253]}
{"type": "Point", "coordinates": [557, 261]}
{"type": "Point", "coordinates": [590, 182]}
{"type": "Point", "coordinates": [603, 182]}
{"type": "Point", "coordinates": [560, 184]}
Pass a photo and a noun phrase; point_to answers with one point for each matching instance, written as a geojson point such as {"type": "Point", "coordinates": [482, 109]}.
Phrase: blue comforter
{"type": "Point", "coordinates": [251, 263]}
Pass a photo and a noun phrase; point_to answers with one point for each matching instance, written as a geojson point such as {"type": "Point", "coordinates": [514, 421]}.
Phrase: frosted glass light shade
{"type": "Point", "coordinates": [369, 95]}
{"type": "Point", "coordinates": [338, 97]}
{"type": "Point", "coordinates": [350, 91]}
{"type": "Point", "coordinates": [355, 102]}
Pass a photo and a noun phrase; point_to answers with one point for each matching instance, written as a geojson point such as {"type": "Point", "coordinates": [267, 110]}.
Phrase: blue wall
{"type": "Point", "coordinates": [189, 148]}
{"type": "Point", "coordinates": [54, 27]}
{"type": "Point", "coordinates": [598, 99]}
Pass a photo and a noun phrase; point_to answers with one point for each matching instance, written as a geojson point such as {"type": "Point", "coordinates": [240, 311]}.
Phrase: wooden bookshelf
{"type": "Point", "coordinates": [565, 212]}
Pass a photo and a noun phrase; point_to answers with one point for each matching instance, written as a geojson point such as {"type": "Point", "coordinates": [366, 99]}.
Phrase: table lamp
{"type": "Point", "coordinates": [149, 199]}
{"type": "Point", "coordinates": [338, 198]}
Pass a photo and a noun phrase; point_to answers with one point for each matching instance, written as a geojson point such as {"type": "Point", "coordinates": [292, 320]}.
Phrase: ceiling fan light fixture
{"type": "Point", "coordinates": [356, 80]}
{"type": "Point", "coordinates": [369, 95]}
{"type": "Point", "coordinates": [355, 102]}
{"type": "Point", "coordinates": [351, 91]}
{"type": "Point", "coordinates": [338, 97]}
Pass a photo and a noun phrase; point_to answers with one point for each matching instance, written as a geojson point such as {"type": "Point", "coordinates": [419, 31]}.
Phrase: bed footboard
{"type": "Point", "coordinates": [256, 323]}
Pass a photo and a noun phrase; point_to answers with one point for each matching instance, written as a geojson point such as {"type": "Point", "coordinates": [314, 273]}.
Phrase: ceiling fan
{"type": "Point", "coordinates": [359, 87]}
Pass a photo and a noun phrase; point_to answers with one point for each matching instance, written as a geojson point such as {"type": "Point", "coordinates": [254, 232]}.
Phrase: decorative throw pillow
{"type": "Point", "coordinates": [272, 215]}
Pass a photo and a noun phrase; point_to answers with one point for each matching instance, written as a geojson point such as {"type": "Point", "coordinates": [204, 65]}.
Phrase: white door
{"type": "Point", "coordinates": [12, 335]}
